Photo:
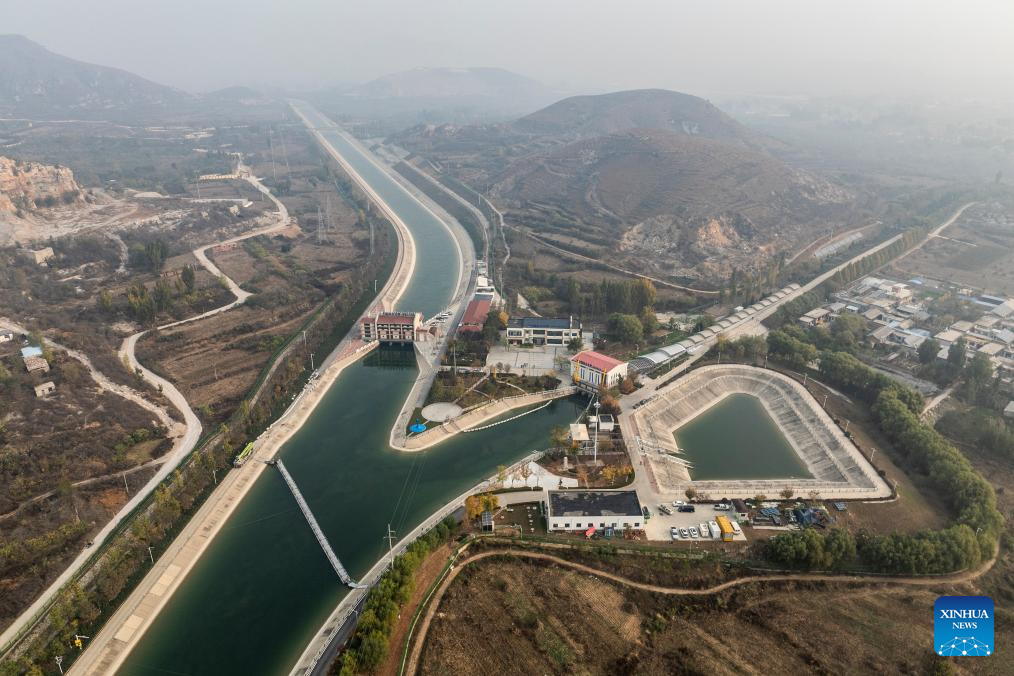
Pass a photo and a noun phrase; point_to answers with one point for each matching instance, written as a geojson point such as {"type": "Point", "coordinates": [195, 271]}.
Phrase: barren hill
{"type": "Point", "coordinates": [35, 82]}
{"type": "Point", "coordinates": [583, 116]}
{"type": "Point", "coordinates": [657, 180]}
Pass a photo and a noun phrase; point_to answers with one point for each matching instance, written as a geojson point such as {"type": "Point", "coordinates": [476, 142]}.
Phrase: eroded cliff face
{"type": "Point", "coordinates": [27, 187]}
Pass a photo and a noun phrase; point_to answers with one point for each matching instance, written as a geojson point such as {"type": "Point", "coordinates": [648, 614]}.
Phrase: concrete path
{"type": "Point", "coordinates": [476, 417]}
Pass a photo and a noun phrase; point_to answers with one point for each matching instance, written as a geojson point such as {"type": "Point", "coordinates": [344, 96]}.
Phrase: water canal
{"type": "Point", "coordinates": [264, 587]}
{"type": "Point", "coordinates": [752, 448]}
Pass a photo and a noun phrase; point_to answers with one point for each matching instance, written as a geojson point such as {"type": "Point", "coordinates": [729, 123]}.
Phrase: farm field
{"type": "Point", "coordinates": [977, 251]}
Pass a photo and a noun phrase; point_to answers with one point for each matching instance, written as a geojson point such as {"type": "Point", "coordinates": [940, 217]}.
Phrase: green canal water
{"type": "Point", "coordinates": [264, 587]}
{"type": "Point", "coordinates": [737, 439]}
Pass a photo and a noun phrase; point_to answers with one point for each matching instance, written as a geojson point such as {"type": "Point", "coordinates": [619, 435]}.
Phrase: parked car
{"type": "Point", "coordinates": [687, 508]}
{"type": "Point", "coordinates": [694, 533]}
{"type": "Point", "coordinates": [674, 532]}
{"type": "Point", "coordinates": [664, 508]}
{"type": "Point", "coordinates": [646, 512]}
{"type": "Point", "coordinates": [705, 531]}
{"type": "Point", "coordinates": [684, 533]}
{"type": "Point", "coordinates": [721, 507]}
{"type": "Point", "coordinates": [678, 503]}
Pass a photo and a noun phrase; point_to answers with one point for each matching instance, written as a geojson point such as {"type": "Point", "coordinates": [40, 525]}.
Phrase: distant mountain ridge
{"type": "Point", "coordinates": [35, 82]}
{"type": "Point", "coordinates": [440, 95]}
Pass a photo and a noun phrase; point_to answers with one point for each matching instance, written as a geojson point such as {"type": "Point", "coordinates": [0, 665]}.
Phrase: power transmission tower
{"type": "Point", "coordinates": [285, 154]}
{"type": "Point", "coordinates": [271, 150]}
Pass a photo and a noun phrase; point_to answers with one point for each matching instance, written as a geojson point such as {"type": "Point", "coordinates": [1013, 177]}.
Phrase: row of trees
{"type": "Point", "coordinates": [980, 430]}
{"type": "Point", "coordinates": [847, 373]}
{"type": "Point", "coordinates": [369, 645]}
{"type": "Point", "coordinates": [896, 409]}
{"type": "Point", "coordinates": [591, 299]}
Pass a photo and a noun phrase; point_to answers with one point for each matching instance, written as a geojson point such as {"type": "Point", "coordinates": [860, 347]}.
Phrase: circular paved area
{"type": "Point", "coordinates": [441, 411]}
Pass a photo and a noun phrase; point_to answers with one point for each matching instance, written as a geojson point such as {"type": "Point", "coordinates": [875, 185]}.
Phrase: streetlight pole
{"type": "Point", "coordinates": [151, 555]}
{"type": "Point", "coordinates": [846, 426]}
{"type": "Point", "coordinates": [595, 451]}
{"type": "Point", "coordinates": [311, 361]}
{"type": "Point", "coordinates": [825, 401]}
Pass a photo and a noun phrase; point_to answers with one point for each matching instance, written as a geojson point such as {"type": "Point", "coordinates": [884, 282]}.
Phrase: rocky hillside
{"type": "Point", "coordinates": [655, 179]}
{"type": "Point", "coordinates": [26, 187]}
{"type": "Point", "coordinates": [35, 82]}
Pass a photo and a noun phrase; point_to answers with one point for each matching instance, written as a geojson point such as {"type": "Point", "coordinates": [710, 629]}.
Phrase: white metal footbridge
{"type": "Point", "coordinates": [315, 527]}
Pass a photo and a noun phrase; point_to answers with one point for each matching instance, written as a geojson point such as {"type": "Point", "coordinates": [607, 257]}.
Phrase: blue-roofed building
{"type": "Point", "coordinates": [31, 351]}
{"type": "Point", "coordinates": [542, 330]}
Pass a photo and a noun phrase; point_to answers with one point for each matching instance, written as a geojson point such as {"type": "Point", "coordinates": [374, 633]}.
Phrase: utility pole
{"type": "Point", "coordinates": [825, 401]}
{"type": "Point", "coordinates": [151, 555]}
{"type": "Point", "coordinates": [846, 426]}
{"type": "Point", "coordinates": [311, 362]}
{"type": "Point", "coordinates": [126, 489]}
{"type": "Point", "coordinates": [390, 541]}
{"type": "Point", "coordinates": [595, 452]}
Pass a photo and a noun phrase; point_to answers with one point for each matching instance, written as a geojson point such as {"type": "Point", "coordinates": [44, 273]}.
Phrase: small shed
{"type": "Point", "coordinates": [486, 522]}
{"type": "Point", "coordinates": [45, 389]}
{"type": "Point", "coordinates": [33, 364]}
{"type": "Point", "coordinates": [606, 422]}
{"type": "Point", "coordinates": [578, 433]}
{"type": "Point", "coordinates": [740, 508]}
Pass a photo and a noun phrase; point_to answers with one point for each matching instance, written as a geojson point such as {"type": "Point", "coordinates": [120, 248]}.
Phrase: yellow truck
{"type": "Point", "coordinates": [725, 526]}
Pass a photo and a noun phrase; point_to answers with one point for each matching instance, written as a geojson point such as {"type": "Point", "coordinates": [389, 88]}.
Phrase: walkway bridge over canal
{"type": "Point", "coordinates": [315, 527]}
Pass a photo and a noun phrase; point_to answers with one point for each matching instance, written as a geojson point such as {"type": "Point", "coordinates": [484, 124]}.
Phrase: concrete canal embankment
{"type": "Point", "coordinates": [474, 418]}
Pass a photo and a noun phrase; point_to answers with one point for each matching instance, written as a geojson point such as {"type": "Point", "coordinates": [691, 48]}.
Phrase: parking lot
{"type": "Point", "coordinates": [657, 527]}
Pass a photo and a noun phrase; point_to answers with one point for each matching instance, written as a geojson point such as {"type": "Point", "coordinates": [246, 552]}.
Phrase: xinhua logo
{"type": "Point", "coordinates": [963, 626]}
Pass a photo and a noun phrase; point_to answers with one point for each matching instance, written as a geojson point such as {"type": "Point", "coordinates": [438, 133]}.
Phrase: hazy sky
{"type": "Point", "coordinates": [820, 47]}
